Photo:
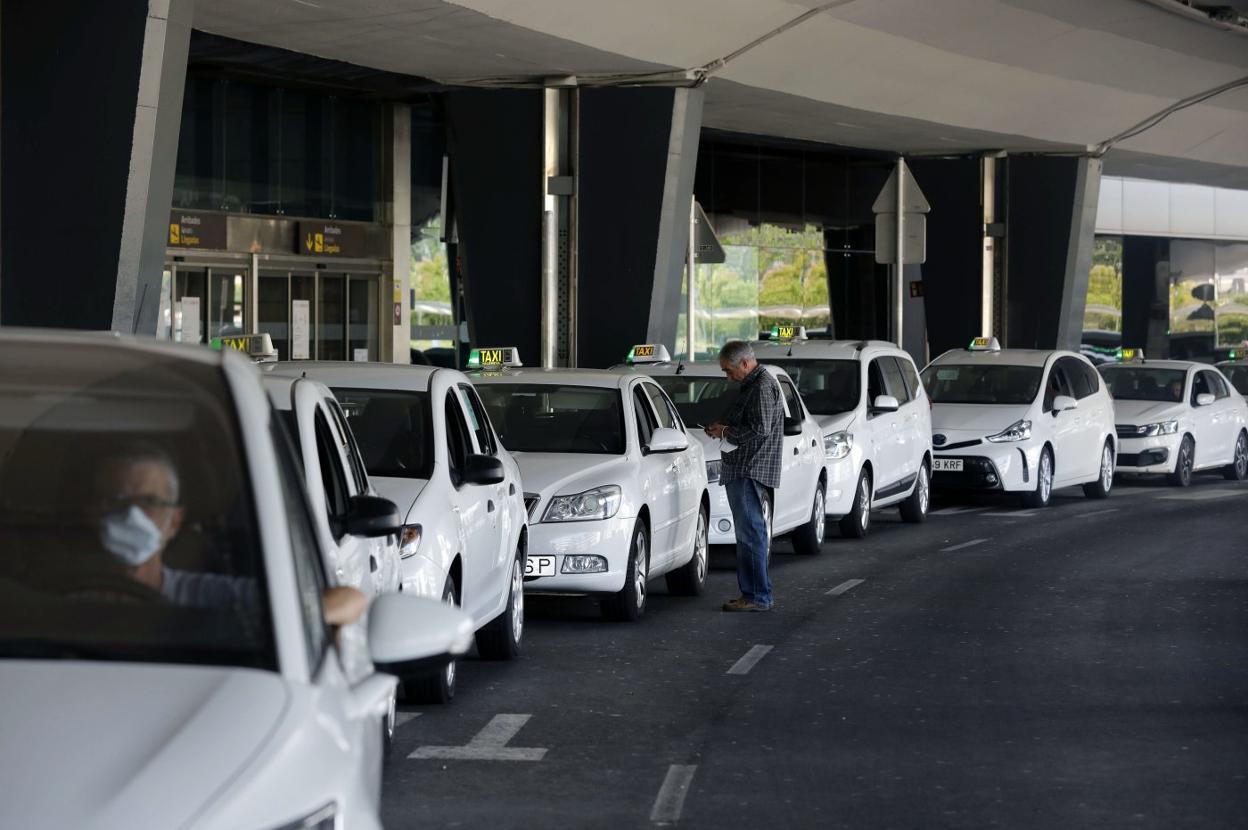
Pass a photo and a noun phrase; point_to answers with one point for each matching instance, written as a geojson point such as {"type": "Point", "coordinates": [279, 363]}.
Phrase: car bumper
{"type": "Point", "coordinates": [842, 476]}
{"type": "Point", "coordinates": [1158, 454]}
{"type": "Point", "coordinates": [609, 538]}
{"type": "Point", "coordinates": [722, 530]}
{"type": "Point", "coordinates": [1007, 467]}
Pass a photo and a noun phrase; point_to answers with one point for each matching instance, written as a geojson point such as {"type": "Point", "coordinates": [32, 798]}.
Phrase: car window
{"type": "Point", "coordinates": [478, 421]}
{"type": "Point", "coordinates": [893, 379]}
{"type": "Point", "coordinates": [333, 479]}
{"type": "Point", "coordinates": [1055, 385]}
{"type": "Point", "coordinates": [1144, 383]}
{"type": "Point", "coordinates": [393, 429]}
{"type": "Point", "coordinates": [1219, 386]}
{"type": "Point", "coordinates": [982, 383]}
{"type": "Point", "coordinates": [875, 382]}
{"type": "Point", "coordinates": [349, 448]}
{"type": "Point", "coordinates": [646, 424]}
{"type": "Point", "coordinates": [791, 401]}
{"type": "Point", "coordinates": [659, 402]}
{"type": "Point", "coordinates": [458, 440]}
{"type": "Point", "coordinates": [1238, 376]}
{"type": "Point", "coordinates": [548, 417]}
{"type": "Point", "coordinates": [699, 400]}
{"type": "Point", "coordinates": [828, 387]}
{"type": "Point", "coordinates": [1200, 386]}
{"type": "Point", "coordinates": [1081, 378]}
{"type": "Point", "coordinates": [912, 377]}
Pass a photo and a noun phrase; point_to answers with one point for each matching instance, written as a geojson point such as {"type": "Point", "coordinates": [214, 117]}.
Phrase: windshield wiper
{"type": "Point", "coordinates": [32, 648]}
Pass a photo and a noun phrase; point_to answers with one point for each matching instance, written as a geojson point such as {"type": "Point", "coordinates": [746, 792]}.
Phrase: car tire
{"type": "Point", "coordinates": [1182, 475]}
{"type": "Point", "coordinates": [808, 539]}
{"type": "Point", "coordinates": [914, 508]}
{"type": "Point", "coordinates": [689, 580]}
{"type": "Point", "coordinates": [857, 523]}
{"type": "Point", "coordinates": [501, 637]}
{"type": "Point", "coordinates": [438, 687]}
{"type": "Point", "coordinates": [1237, 470]}
{"type": "Point", "coordinates": [629, 603]}
{"type": "Point", "coordinates": [1043, 493]}
{"type": "Point", "coordinates": [1100, 488]}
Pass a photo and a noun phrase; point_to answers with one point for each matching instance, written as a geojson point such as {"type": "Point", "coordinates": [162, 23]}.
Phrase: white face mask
{"type": "Point", "coordinates": [130, 535]}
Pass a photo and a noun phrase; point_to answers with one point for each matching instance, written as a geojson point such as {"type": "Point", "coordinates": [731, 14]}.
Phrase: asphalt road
{"type": "Point", "coordinates": [1081, 666]}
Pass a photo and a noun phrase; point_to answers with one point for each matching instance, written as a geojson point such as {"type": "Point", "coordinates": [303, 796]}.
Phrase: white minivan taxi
{"type": "Point", "coordinates": [702, 395]}
{"type": "Point", "coordinates": [616, 490]}
{"type": "Point", "coordinates": [1022, 421]}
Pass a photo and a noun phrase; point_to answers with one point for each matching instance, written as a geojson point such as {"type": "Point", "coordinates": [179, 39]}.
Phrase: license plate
{"type": "Point", "coordinates": [539, 566]}
{"type": "Point", "coordinates": [947, 465]}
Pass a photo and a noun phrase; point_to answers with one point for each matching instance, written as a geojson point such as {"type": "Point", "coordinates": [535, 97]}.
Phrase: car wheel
{"type": "Point", "coordinates": [500, 638]}
{"type": "Point", "coordinates": [438, 687]}
{"type": "Point", "coordinates": [690, 579]}
{"type": "Point", "coordinates": [1182, 475]}
{"type": "Point", "coordinates": [808, 539]}
{"type": "Point", "coordinates": [857, 523]}
{"type": "Point", "coordinates": [1237, 470]}
{"type": "Point", "coordinates": [629, 603]}
{"type": "Point", "coordinates": [1100, 488]}
{"type": "Point", "coordinates": [1044, 482]}
{"type": "Point", "coordinates": [914, 508]}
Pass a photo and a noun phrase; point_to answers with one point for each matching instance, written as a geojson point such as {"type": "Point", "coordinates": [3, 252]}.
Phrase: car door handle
{"type": "Point", "coordinates": [489, 506]}
{"type": "Point", "coordinates": [795, 450]}
{"type": "Point", "coordinates": [372, 564]}
{"type": "Point", "coordinates": [511, 489]}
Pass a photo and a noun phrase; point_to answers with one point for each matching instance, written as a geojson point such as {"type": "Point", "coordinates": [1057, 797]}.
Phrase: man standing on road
{"type": "Point", "coordinates": [753, 436]}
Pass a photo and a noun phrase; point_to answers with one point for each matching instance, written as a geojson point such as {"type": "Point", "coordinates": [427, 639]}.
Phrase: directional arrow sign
{"type": "Point", "coordinates": [914, 228]}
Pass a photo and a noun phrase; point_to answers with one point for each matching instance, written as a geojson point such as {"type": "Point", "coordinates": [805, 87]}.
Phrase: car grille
{"type": "Point", "coordinates": [1127, 430]}
{"type": "Point", "coordinates": [530, 502]}
{"type": "Point", "coordinates": [959, 445]}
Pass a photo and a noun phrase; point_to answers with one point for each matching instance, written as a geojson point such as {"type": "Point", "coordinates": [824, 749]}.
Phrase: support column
{"type": "Point", "coordinates": [1146, 294]}
{"type": "Point", "coordinates": [92, 109]}
{"type": "Point", "coordinates": [401, 231]}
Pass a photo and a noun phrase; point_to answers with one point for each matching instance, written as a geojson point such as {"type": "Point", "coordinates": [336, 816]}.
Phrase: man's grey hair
{"type": "Point", "coordinates": [139, 452]}
{"type": "Point", "coordinates": [735, 351]}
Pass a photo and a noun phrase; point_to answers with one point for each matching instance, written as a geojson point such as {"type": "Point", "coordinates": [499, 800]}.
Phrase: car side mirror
{"type": "Point", "coordinates": [483, 469]}
{"type": "Point", "coordinates": [1063, 403]}
{"type": "Point", "coordinates": [666, 439]}
{"type": "Point", "coordinates": [884, 403]}
{"type": "Point", "coordinates": [1204, 399]}
{"type": "Point", "coordinates": [409, 634]}
{"type": "Point", "coordinates": [372, 516]}
{"type": "Point", "coordinates": [792, 426]}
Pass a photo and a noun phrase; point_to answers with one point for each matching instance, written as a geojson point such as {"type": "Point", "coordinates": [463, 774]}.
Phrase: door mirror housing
{"type": "Point", "coordinates": [409, 634]}
{"type": "Point", "coordinates": [483, 469]}
{"type": "Point", "coordinates": [371, 517]}
{"type": "Point", "coordinates": [1205, 399]}
{"type": "Point", "coordinates": [666, 439]}
{"type": "Point", "coordinates": [884, 403]}
{"type": "Point", "coordinates": [1064, 403]}
{"type": "Point", "coordinates": [792, 426]}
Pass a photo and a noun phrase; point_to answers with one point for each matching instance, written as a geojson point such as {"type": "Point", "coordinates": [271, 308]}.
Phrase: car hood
{"type": "Point", "coordinates": [124, 745]}
{"type": "Point", "coordinates": [566, 473]}
{"type": "Point", "coordinates": [402, 491]}
{"type": "Point", "coordinates": [710, 446]}
{"type": "Point", "coordinates": [835, 423]}
{"type": "Point", "coordinates": [1145, 412]}
{"type": "Point", "coordinates": [975, 418]}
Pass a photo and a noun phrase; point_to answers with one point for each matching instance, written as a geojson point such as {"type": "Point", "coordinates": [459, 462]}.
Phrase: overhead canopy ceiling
{"type": "Point", "coordinates": [915, 76]}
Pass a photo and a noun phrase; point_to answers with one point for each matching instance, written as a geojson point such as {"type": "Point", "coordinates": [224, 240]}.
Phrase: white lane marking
{"type": "Point", "coordinates": [401, 718]}
{"type": "Point", "coordinates": [670, 801]}
{"type": "Point", "coordinates": [1096, 513]}
{"type": "Point", "coordinates": [750, 659]}
{"type": "Point", "coordinates": [953, 511]}
{"type": "Point", "coordinates": [1205, 495]}
{"type": "Point", "coordinates": [1012, 514]}
{"type": "Point", "coordinates": [844, 586]}
{"type": "Point", "coordinates": [963, 546]}
{"type": "Point", "coordinates": [490, 744]}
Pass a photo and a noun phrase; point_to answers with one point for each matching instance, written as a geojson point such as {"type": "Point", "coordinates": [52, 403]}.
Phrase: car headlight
{"type": "Point", "coordinates": [599, 503]}
{"type": "Point", "coordinates": [712, 471]}
{"type": "Point", "coordinates": [838, 444]}
{"type": "Point", "coordinates": [1017, 431]}
{"type": "Point", "coordinates": [324, 818]}
{"type": "Point", "coordinates": [1160, 428]}
{"type": "Point", "coordinates": [409, 541]}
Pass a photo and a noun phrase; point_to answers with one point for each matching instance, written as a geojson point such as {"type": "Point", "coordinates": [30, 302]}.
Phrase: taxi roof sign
{"type": "Point", "coordinates": [984, 344]}
{"type": "Point", "coordinates": [788, 332]}
{"type": "Point", "coordinates": [495, 357]}
{"type": "Point", "coordinates": [1131, 355]}
{"type": "Point", "coordinates": [648, 353]}
{"type": "Point", "coordinates": [259, 347]}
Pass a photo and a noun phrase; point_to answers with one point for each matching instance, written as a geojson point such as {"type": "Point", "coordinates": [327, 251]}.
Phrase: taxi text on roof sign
{"type": "Point", "coordinates": [494, 357]}
{"type": "Point", "coordinates": [984, 344]}
{"type": "Point", "coordinates": [1131, 355]}
{"type": "Point", "coordinates": [648, 353]}
{"type": "Point", "coordinates": [259, 347]}
{"type": "Point", "coordinates": [788, 332]}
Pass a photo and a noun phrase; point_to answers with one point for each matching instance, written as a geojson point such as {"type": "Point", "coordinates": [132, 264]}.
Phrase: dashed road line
{"type": "Point", "coordinates": [844, 586]}
{"type": "Point", "coordinates": [1204, 495]}
{"type": "Point", "coordinates": [1012, 514]}
{"type": "Point", "coordinates": [490, 744]}
{"type": "Point", "coordinates": [953, 511]}
{"type": "Point", "coordinates": [670, 802]}
{"type": "Point", "coordinates": [963, 546]}
{"type": "Point", "coordinates": [1096, 513]}
{"type": "Point", "coordinates": [750, 659]}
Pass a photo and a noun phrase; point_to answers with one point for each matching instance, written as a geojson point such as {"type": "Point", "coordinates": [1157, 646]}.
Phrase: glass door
{"type": "Point", "coordinates": [303, 317]}
{"type": "Point", "coordinates": [190, 304]}
{"type": "Point", "coordinates": [331, 318]}
{"type": "Point", "coordinates": [225, 311]}
{"type": "Point", "coordinates": [273, 311]}
{"type": "Point", "coordinates": [362, 313]}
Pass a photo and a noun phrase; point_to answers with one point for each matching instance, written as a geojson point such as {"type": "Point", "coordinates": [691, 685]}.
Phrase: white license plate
{"type": "Point", "coordinates": [539, 566]}
{"type": "Point", "coordinates": [947, 465]}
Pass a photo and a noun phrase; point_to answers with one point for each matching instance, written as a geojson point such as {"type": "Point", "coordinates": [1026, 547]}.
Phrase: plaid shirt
{"type": "Point", "coordinates": [756, 425]}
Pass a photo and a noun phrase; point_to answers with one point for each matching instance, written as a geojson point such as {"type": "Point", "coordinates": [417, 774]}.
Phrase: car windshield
{"type": "Point", "coordinates": [982, 383]}
{"type": "Point", "coordinates": [828, 387]}
{"type": "Point", "coordinates": [393, 429]}
{"type": "Point", "coordinates": [1238, 376]}
{"type": "Point", "coordinates": [1141, 383]}
{"type": "Point", "coordinates": [555, 418]}
{"type": "Point", "coordinates": [127, 523]}
{"type": "Point", "coordinates": [700, 401]}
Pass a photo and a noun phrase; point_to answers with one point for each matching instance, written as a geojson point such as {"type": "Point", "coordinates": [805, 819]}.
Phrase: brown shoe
{"type": "Point", "coordinates": [743, 604]}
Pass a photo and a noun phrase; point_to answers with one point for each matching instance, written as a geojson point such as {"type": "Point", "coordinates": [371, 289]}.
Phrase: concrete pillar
{"type": "Point", "coordinates": [401, 230]}
{"type": "Point", "coordinates": [92, 108]}
{"type": "Point", "coordinates": [1146, 294]}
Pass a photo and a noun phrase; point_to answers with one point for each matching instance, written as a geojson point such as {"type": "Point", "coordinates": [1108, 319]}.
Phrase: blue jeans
{"type": "Point", "coordinates": [745, 497]}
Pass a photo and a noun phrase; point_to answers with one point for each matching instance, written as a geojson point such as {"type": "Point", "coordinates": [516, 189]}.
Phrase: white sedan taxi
{"type": "Point", "coordinates": [169, 634]}
{"type": "Point", "coordinates": [616, 489]}
{"type": "Point", "coordinates": [702, 394]}
{"type": "Point", "coordinates": [1176, 418]}
{"type": "Point", "coordinates": [1021, 421]}
{"type": "Point", "coordinates": [427, 444]}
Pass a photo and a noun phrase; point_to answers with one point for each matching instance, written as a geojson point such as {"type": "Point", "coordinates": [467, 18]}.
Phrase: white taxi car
{"type": "Point", "coordinates": [702, 394]}
{"type": "Point", "coordinates": [1021, 421]}
{"type": "Point", "coordinates": [427, 444]}
{"type": "Point", "coordinates": [874, 419]}
{"type": "Point", "coordinates": [617, 492]}
{"type": "Point", "coordinates": [157, 556]}
{"type": "Point", "coordinates": [1176, 417]}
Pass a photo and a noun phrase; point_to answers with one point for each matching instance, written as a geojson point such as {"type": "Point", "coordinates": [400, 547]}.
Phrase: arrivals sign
{"type": "Point", "coordinates": [331, 239]}
{"type": "Point", "coordinates": [190, 229]}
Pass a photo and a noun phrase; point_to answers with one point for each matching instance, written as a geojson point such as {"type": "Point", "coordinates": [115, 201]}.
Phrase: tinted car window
{"type": "Point", "coordinates": [1080, 377]}
{"type": "Point", "coordinates": [893, 379]}
{"type": "Point", "coordinates": [700, 401]}
{"type": "Point", "coordinates": [912, 377]}
{"type": "Point", "coordinates": [1238, 375]}
{"type": "Point", "coordinates": [660, 405]}
{"type": "Point", "coordinates": [979, 383]}
{"type": "Point", "coordinates": [540, 417]}
{"type": "Point", "coordinates": [1143, 383]}
{"type": "Point", "coordinates": [393, 429]}
{"type": "Point", "coordinates": [791, 400]}
{"type": "Point", "coordinates": [828, 387]}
